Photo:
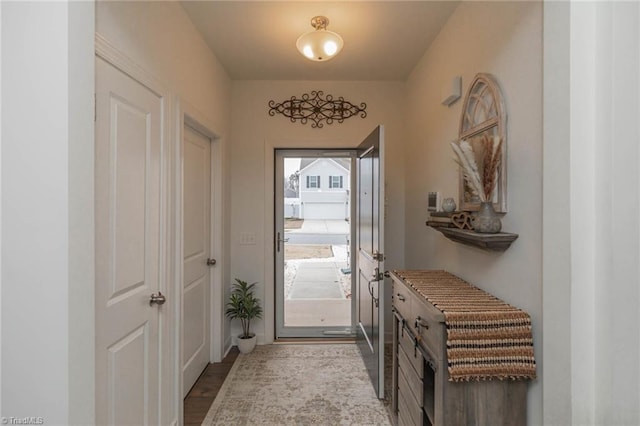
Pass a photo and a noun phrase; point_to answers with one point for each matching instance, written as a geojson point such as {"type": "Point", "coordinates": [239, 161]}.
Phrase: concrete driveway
{"type": "Point", "coordinates": [320, 232]}
{"type": "Point", "coordinates": [312, 226]}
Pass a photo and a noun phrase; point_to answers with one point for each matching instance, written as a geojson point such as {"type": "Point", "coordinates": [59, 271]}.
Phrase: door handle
{"type": "Point", "coordinates": [158, 299]}
{"type": "Point", "coordinates": [375, 299]}
{"type": "Point", "coordinates": [280, 240]}
{"type": "Point", "coordinates": [211, 262]}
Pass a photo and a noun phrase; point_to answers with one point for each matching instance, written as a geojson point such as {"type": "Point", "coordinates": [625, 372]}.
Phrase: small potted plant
{"type": "Point", "coordinates": [244, 306]}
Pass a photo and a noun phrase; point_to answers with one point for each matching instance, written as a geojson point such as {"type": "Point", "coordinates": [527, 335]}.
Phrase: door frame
{"type": "Point", "coordinates": [270, 146]}
{"type": "Point", "coordinates": [351, 154]}
{"type": "Point", "coordinates": [187, 114]}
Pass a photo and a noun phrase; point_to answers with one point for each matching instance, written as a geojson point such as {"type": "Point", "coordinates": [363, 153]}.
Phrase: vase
{"type": "Point", "coordinates": [246, 345]}
{"type": "Point", "coordinates": [448, 205]}
{"type": "Point", "coordinates": [486, 220]}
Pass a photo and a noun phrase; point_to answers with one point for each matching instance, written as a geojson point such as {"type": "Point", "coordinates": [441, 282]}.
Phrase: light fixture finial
{"type": "Point", "coordinates": [319, 22]}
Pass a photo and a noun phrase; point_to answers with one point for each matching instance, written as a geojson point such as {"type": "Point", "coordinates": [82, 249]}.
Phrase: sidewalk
{"type": "Point", "coordinates": [311, 226]}
{"type": "Point", "coordinates": [317, 298]}
{"type": "Point", "coordinates": [317, 280]}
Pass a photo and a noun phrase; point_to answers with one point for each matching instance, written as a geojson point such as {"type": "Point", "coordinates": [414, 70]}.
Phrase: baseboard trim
{"type": "Point", "coordinates": [228, 345]}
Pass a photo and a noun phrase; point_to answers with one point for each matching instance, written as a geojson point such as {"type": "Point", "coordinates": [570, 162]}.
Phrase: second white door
{"type": "Point", "coordinates": [196, 250]}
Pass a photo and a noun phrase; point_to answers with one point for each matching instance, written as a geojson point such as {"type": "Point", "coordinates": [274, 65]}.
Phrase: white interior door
{"type": "Point", "coordinates": [129, 122]}
{"type": "Point", "coordinates": [369, 298]}
{"type": "Point", "coordinates": [196, 248]}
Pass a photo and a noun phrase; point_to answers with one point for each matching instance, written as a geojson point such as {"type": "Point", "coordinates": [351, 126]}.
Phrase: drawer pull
{"type": "Point", "coordinates": [420, 323]}
{"type": "Point", "coordinates": [401, 297]}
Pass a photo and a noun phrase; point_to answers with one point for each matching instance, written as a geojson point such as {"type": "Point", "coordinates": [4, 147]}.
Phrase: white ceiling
{"type": "Point", "coordinates": [256, 40]}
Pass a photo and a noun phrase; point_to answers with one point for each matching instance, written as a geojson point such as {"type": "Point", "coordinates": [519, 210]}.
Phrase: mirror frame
{"type": "Point", "coordinates": [491, 117]}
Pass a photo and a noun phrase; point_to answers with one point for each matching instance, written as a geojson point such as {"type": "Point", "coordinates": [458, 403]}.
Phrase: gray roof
{"type": "Point", "coordinates": [344, 162]}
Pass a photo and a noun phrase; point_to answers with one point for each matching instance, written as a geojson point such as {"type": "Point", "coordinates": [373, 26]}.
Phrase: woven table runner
{"type": "Point", "coordinates": [486, 338]}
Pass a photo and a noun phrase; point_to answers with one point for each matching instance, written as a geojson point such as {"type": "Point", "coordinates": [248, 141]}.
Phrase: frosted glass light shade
{"type": "Point", "coordinates": [320, 45]}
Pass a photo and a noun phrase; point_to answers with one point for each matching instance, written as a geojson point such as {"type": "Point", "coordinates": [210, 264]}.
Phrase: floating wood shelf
{"type": "Point", "coordinates": [494, 242]}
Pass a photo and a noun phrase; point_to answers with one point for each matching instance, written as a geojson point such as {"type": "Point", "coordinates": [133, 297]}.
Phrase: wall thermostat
{"type": "Point", "coordinates": [433, 201]}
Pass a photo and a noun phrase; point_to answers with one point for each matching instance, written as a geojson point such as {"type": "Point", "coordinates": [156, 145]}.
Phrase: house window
{"type": "Point", "coordinates": [335, 181]}
{"type": "Point", "coordinates": [313, 181]}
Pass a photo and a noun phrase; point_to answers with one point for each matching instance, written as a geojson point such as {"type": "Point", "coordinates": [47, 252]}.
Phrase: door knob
{"type": "Point", "coordinates": [211, 262]}
{"type": "Point", "coordinates": [158, 299]}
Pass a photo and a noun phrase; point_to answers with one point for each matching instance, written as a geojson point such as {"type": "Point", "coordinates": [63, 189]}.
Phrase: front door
{"type": "Point", "coordinates": [370, 258]}
{"type": "Point", "coordinates": [129, 123]}
{"type": "Point", "coordinates": [196, 225]}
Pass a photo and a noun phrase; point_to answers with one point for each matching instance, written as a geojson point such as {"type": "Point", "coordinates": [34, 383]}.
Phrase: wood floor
{"type": "Point", "coordinates": [202, 394]}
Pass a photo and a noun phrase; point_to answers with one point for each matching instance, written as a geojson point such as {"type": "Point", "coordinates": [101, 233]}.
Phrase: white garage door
{"type": "Point", "coordinates": [324, 211]}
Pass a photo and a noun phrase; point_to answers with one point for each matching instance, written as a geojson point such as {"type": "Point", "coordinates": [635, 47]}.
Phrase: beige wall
{"type": "Point", "coordinates": [504, 39]}
{"type": "Point", "coordinates": [160, 37]}
{"type": "Point", "coordinates": [255, 133]}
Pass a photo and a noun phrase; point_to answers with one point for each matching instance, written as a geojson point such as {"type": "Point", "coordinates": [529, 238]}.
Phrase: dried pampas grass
{"type": "Point", "coordinates": [480, 160]}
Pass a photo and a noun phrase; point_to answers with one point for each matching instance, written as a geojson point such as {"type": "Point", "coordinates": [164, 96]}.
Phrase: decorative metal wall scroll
{"type": "Point", "coordinates": [317, 108]}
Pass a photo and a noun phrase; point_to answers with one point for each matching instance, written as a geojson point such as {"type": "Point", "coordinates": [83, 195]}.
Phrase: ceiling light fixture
{"type": "Point", "coordinates": [319, 45]}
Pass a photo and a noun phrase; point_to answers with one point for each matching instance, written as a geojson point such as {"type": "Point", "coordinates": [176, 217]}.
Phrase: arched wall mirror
{"type": "Point", "coordinates": [484, 115]}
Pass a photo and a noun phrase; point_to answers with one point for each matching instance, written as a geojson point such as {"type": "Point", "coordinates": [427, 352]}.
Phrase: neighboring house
{"type": "Point", "coordinates": [324, 188]}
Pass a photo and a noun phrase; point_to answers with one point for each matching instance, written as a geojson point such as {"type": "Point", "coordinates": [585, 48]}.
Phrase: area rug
{"type": "Point", "coordinates": [298, 385]}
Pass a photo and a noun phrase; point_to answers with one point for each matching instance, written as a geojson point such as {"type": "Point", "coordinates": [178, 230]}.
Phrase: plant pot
{"type": "Point", "coordinates": [487, 221]}
{"type": "Point", "coordinates": [246, 345]}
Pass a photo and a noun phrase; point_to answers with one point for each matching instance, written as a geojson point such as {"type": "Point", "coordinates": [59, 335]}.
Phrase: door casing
{"type": "Point", "coordinates": [187, 115]}
{"type": "Point", "coordinates": [270, 146]}
{"type": "Point", "coordinates": [196, 288]}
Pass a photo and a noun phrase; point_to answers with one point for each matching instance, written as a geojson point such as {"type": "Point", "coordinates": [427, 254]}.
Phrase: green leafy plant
{"type": "Point", "coordinates": [244, 306]}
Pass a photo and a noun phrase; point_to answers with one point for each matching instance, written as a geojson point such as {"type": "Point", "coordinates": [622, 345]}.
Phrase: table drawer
{"type": "Point", "coordinates": [402, 300]}
{"type": "Point", "coordinates": [413, 355]}
{"type": "Point", "coordinates": [411, 376]}
{"type": "Point", "coordinates": [404, 419]}
{"type": "Point", "coordinates": [431, 330]}
{"type": "Point", "coordinates": [409, 403]}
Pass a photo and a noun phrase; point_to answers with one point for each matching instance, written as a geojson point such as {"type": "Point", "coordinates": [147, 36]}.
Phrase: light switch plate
{"type": "Point", "coordinates": [247, 239]}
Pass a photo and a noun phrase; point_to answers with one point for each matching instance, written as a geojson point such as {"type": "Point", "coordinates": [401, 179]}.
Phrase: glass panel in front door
{"type": "Point", "coordinates": [314, 271]}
